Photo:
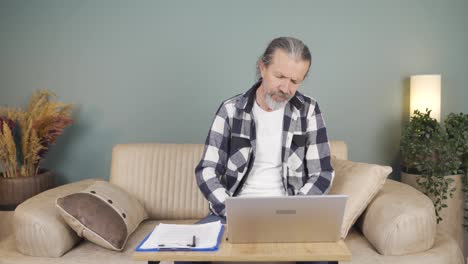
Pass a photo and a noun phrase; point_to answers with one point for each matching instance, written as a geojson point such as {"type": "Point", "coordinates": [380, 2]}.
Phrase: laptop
{"type": "Point", "coordinates": [285, 218]}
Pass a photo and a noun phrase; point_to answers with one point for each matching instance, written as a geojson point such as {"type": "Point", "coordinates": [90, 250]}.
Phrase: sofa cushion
{"type": "Point", "coordinates": [361, 182]}
{"type": "Point", "coordinates": [399, 221]}
{"type": "Point", "coordinates": [103, 214]}
{"type": "Point", "coordinates": [161, 177]}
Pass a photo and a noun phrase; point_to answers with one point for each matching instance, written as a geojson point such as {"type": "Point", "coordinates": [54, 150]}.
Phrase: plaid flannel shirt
{"type": "Point", "coordinates": [229, 150]}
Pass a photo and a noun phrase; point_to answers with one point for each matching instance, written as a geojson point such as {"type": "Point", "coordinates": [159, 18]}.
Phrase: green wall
{"type": "Point", "coordinates": [156, 71]}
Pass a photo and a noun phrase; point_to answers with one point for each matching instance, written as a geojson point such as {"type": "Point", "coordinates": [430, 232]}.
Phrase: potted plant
{"type": "Point", "coordinates": [25, 138]}
{"type": "Point", "coordinates": [456, 126]}
{"type": "Point", "coordinates": [430, 164]}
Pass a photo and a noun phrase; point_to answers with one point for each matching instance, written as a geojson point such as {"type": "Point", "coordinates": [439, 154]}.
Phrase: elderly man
{"type": "Point", "coordinates": [270, 140]}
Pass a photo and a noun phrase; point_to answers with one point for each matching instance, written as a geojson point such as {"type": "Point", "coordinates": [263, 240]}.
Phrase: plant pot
{"type": "Point", "coordinates": [452, 215]}
{"type": "Point", "coordinates": [14, 191]}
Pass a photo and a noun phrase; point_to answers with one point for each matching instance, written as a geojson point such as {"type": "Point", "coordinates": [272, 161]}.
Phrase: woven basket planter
{"type": "Point", "coordinates": [14, 191]}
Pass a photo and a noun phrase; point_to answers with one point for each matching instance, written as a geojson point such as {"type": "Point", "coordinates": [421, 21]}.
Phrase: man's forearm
{"type": "Point", "coordinates": [318, 183]}
{"type": "Point", "coordinates": [211, 187]}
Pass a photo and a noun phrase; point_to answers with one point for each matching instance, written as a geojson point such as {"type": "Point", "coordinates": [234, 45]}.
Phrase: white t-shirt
{"type": "Point", "coordinates": [265, 177]}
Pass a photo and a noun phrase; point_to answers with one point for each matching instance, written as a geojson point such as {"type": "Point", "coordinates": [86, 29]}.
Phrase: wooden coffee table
{"type": "Point", "coordinates": [333, 251]}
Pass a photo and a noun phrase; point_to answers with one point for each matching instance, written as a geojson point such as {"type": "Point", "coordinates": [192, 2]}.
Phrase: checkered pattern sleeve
{"type": "Point", "coordinates": [317, 157]}
{"type": "Point", "coordinates": [213, 162]}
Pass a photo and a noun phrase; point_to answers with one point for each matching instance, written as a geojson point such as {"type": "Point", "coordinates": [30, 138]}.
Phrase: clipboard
{"type": "Point", "coordinates": [139, 248]}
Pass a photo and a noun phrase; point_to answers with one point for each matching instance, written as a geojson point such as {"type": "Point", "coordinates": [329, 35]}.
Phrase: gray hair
{"type": "Point", "coordinates": [292, 46]}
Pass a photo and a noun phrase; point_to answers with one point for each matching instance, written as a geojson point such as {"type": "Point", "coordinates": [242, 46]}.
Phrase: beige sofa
{"type": "Point", "coordinates": [161, 177]}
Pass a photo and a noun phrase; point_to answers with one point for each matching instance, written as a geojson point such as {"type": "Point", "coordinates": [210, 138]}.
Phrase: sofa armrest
{"type": "Point", "coordinates": [400, 220]}
{"type": "Point", "coordinates": [39, 229]}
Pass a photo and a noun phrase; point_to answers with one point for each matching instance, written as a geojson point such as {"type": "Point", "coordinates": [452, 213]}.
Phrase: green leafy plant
{"type": "Point", "coordinates": [456, 126]}
{"type": "Point", "coordinates": [427, 150]}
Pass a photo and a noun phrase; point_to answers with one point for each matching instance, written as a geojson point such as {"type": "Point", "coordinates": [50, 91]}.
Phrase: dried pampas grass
{"type": "Point", "coordinates": [25, 136]}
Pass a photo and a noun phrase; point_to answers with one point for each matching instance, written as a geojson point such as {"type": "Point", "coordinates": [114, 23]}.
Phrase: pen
{"type": "Point", "coordinates": [174, 249]}
{"type": "Point", "coordinates": [194, 243]}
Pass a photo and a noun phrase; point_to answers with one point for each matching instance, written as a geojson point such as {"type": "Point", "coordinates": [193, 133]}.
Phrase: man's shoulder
{"type": "Point", "coordinates": [307, 101]}
{"type": "Point", "coordinates": [233, 100]}
{"type": "Point", "coordinates": [228, 106]}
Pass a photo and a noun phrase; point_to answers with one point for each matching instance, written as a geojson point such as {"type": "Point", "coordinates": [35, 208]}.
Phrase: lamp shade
{"type": "Point", "coordinates": [425, 93]}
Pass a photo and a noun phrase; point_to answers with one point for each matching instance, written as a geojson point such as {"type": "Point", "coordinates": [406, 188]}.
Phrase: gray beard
{"type": "Point", "coordinates": [274, 105]}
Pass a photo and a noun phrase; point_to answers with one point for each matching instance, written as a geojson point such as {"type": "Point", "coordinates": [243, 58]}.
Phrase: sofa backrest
{"type": "Point", "coordinates": [162, 177]}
